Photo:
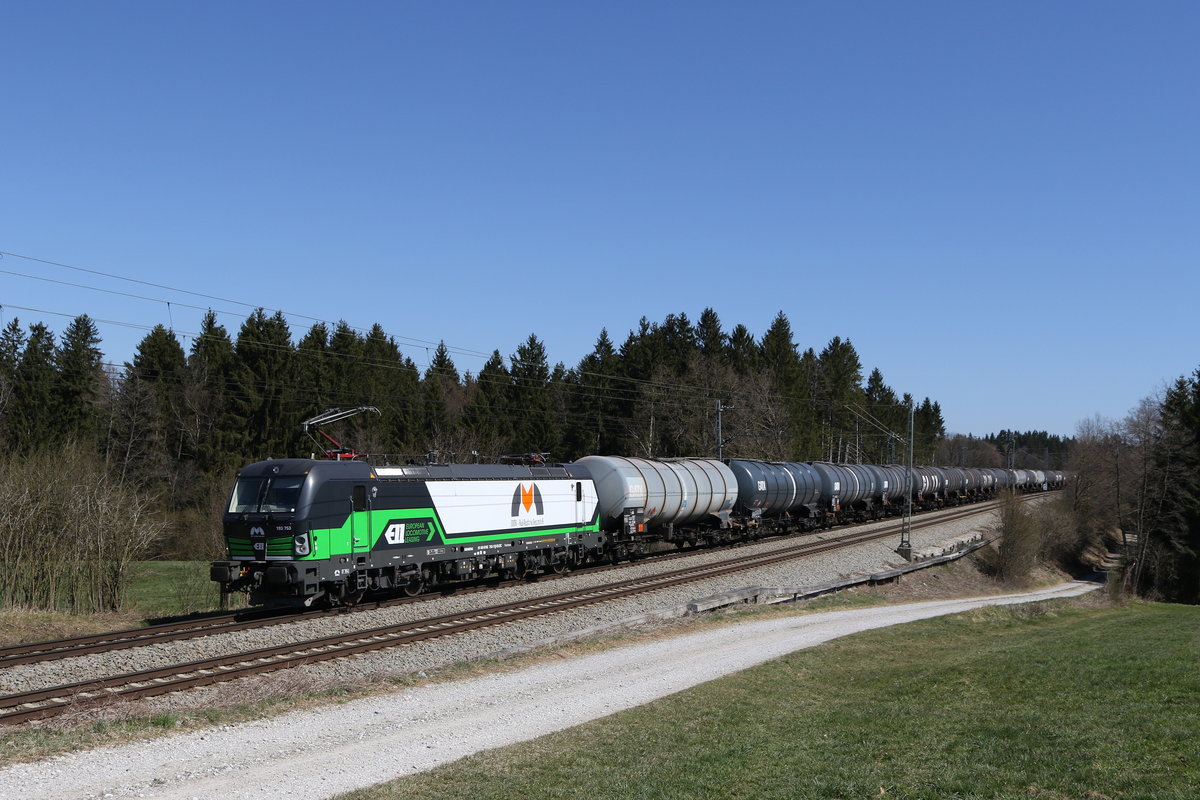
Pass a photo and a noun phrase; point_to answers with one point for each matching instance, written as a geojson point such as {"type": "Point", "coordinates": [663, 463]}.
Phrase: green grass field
{"type": "Point", "coordinates": [171, 588]}
{"type": "Point", "coordinates": [1040, 701]}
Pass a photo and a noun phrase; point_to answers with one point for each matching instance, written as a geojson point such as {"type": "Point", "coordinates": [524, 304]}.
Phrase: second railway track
{"type": "Point", "coordinates": [250, 619]}
{"type": "Point", "coordinates": [48, 702]}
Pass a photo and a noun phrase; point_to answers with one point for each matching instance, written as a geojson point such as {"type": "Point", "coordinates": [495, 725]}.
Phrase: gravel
{"type": "Point", "coordinates": [367, 741]}
{"type": "Point", "coordinates": [863, 559]}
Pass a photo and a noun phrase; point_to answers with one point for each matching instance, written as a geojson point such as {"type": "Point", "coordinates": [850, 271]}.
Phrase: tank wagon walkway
{"type": "Point", "coordinates": [417, 729]}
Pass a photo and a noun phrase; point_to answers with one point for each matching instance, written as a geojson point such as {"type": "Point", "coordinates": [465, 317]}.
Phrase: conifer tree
{"type": "Point", "coordinates": [884, 406]}
{"type": "Point", "coordinates": [266, 404]}
{"type": "Point", "coordinates": [535, 429]}
{"type": "Point", "coordinates": [677, 344]}
{"type": "Point", "coordinates": [743, 350]}
{"type": "Point", "coordinates": [152, 417]}
{"type": "Point", "coordinates": [347, 368]}
{"type": "Point", "coordinates": [393, 386]}
{"type": "Point", "coordinates": [1169, 502]}
{"type": "Point", "coordinates": [211, 426]}
{"type": "Point", "coordinates": [595, 407]}
{"type": "Point", "coordinates": [81, 383]}
{"type": "Point", "coordinates": [841, 383]}
{"type": "Point", "coordinates": [441, 399]}
{"type": "Point", "coordinates": [642, 407]}
{"type": "Point", "coordinates": [709, 336]}
{"type": "Point", "coordinates": [12, 344]}
{"type": "Point", "coordinates": [314, 372]}
{"type": "Point", "coordinates": [487, 416]}
{"type": "Point", "coordinates": [928, 429]}
{"type": "Point", "coordinates": [807, 444]}
{"type": "Point", "coordinates": [782, 363]}
{"type": "Point", "coordinates": [33, 415]}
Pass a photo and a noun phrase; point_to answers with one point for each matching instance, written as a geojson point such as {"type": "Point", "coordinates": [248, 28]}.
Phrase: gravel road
{"type": "Point", "coordinates": [420, 728]}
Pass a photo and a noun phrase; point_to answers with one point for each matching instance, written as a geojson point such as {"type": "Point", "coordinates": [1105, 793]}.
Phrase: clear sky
{"type": "Point", "coordinates": [998, 203]}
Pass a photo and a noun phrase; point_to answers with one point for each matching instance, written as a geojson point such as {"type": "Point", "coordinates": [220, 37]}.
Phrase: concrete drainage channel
{"type": "Point", "coordinates": [766, 595]}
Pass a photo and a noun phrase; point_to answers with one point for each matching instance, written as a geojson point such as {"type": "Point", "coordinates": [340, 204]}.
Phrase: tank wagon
{"type": "Point", "coordinates": [684, 499]}
{"type": "Point", "coordinates": [302, 530]}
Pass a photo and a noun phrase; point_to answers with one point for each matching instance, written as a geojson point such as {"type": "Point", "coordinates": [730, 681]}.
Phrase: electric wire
{"type": "Point", "coordinates": [598, 391]}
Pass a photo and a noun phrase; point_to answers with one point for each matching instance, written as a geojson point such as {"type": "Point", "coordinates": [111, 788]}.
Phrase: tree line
{"type": "Point", "coordinates": [169, 415]}
{"type": "Point", "coordinates": [1136, 490]}
{"type": "Point", "coordinates": [171, 427]}
{"type": "Point", "coordinates": [163, 435]}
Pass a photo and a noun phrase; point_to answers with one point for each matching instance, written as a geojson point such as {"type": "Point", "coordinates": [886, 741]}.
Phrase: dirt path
{"type": "Point", "coordinates": [318, 754]}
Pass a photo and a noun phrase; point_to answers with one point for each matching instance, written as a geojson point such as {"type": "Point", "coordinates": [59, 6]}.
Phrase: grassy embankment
{"type": "Point", "coordinates": [157, 589]}
{"type": "Point", "coordinates": [172, 588]}
{"type": "Point", "coordinates": [1046, 701]}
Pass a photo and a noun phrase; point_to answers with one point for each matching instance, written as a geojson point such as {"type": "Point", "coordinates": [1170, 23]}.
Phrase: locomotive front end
{"type": "Point", "coordinates": [267, 534]}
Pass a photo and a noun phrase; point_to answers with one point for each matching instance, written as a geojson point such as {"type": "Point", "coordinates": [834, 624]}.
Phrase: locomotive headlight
{"type": "Point", "coordinates": [300, 544]}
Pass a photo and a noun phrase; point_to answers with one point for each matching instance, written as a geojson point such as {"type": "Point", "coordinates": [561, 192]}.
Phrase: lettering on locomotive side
{"type": "Point", "coordinates": [410, 531]}
{"type": "Point", "coordinates": [394, 533]}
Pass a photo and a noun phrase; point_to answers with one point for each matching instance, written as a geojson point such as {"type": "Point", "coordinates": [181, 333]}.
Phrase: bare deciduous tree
{"type": "Point", "coordinates": [70, 532]}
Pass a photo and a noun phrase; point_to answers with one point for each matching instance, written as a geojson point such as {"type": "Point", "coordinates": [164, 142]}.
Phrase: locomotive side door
{"type": "Point", "coordinates": [579, 520]}
{"type": "Point", "coordinates": [360, 522]}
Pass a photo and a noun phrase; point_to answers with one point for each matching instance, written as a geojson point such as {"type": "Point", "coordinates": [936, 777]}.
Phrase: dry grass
{"type": "Point", "coordinates": [18, 626]}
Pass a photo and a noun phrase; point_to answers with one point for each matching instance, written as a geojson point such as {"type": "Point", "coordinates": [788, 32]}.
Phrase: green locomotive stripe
{"type": "Point", "coordinates": [279, 547]}
{"type": "Point", "coordinates": [327, 543]}
{"type": "Point", "coordinates": [330, 542]}
{"type": "Point", "coordinates": [240, 547]}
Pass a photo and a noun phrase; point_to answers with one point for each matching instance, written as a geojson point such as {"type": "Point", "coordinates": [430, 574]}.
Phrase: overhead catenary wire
{"type": "Point", "coordinates": [600, 387]}
{"type": "Point", "coordinates": [614, 393]}
{"type": "Point", "coordinates": [189, 292]}
{"type": "Point", "coordinates": [426, 343]}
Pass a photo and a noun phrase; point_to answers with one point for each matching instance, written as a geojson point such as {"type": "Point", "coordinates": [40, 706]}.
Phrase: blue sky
{"type": "Point", "coordinates": [997, 203]}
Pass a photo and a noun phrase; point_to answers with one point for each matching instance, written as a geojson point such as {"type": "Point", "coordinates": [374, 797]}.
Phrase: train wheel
{"type": "Point", "coordinates": [414, 585]}
{"type": "Point", "coordinates": [521, 571]}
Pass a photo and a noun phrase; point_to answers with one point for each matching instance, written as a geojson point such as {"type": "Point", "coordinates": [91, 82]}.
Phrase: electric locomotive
{"type": "Point", "coordinates": [303, 529]}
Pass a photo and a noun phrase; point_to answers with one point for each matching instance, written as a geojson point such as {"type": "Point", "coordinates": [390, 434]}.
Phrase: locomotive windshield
{"type": "Point", "coordinates": [276, 494]}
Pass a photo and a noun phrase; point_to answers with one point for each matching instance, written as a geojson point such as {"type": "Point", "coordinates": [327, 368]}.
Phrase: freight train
{"type": "Point", "coordinates": [304, 530]}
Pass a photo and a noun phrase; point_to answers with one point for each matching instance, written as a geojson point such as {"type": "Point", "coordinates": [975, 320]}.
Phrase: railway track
{"type": "Point", "coordinates": [44, 703]}
{"type": "Point", "coordinates": [32, 653]}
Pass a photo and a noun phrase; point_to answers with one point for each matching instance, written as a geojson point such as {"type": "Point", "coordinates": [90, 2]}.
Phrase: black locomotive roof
{"type": "Point", "coordinates": [360, 470]}
{"type": "Point", "coordinates": [477, 472]}
{"type": "Point", "coordinates": [303, 466]}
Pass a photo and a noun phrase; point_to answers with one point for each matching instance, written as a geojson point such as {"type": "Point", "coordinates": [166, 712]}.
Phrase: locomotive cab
{"type": "Point", "coordinates": [268, 527]}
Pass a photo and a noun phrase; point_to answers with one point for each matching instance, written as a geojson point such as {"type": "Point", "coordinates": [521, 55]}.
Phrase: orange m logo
{"type": "Point", "coordinates": [527, 499]}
